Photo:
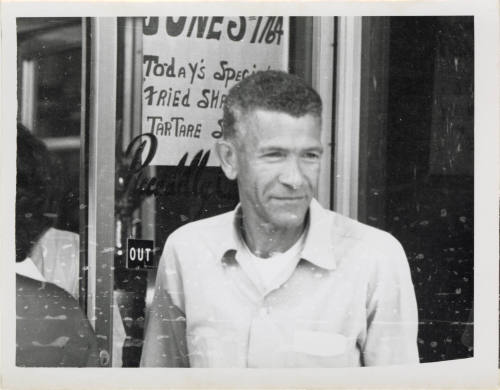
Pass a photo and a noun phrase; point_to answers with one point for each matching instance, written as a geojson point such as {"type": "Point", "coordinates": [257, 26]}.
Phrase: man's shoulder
{"type": "Point", "coordinates": [38, 301]}
{"type": "Point", "coordinates": [47, 315]}
{"type": "Point", "coordinates": [362, 235]}
{"type": "Point", "coordinates": [27, 288]}
{"type": "Point", "coordinates": [206, 227]}
{"type": "Point", "coordinates": [362, 231]}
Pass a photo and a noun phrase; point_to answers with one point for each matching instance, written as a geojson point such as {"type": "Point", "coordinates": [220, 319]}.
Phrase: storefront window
{"type": "Point", "coordinates": [416, 175]}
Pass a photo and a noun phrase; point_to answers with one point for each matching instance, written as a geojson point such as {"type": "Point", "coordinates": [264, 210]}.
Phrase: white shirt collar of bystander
{"type": "Point", "coordinates": [28, 268]}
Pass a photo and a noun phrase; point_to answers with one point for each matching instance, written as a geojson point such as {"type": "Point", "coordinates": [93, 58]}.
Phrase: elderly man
{"type": "Point", "coordinates": [279, 281]}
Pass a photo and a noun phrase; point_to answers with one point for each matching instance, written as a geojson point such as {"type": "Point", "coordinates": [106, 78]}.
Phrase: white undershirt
{"type": "Point", "coordinates": [271, 267]}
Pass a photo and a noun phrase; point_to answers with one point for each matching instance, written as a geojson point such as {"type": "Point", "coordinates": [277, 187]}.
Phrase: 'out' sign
{"type": "Point", "coordinates": [140, 253]}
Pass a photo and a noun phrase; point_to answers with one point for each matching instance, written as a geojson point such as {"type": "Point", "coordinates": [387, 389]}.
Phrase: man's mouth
{"type": "Point", "coordinates": [289, 198]}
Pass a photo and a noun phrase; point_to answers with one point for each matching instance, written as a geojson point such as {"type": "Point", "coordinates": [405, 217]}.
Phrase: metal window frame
{"type": "Point", "coordinates": [348, 95]}
{"type": "Point", "coordinates": [322, 59]}
{"type": "Point", "coordinates": [101, 192]}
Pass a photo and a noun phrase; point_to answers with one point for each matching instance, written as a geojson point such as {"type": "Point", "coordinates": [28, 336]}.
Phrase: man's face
{"type": "Point", "coordinates": [278, 162]}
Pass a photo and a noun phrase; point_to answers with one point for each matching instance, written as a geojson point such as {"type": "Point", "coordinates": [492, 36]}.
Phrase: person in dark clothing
{"type": "Point", "coordinates": [51, 329]}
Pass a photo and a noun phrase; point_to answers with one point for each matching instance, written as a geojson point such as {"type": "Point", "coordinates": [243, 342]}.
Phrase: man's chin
{"type": "Point", "coordinates": [289, 221]}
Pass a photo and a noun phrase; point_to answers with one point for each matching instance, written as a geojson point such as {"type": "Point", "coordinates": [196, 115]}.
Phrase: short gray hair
{"type": "Point", "coordinates": [270, 90]}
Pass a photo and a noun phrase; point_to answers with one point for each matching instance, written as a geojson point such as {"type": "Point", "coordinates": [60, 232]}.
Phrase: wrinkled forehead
{"type": "Point", "coordinates": [247, 119]}
{"type": "Point", "coordinates": [265, 129]}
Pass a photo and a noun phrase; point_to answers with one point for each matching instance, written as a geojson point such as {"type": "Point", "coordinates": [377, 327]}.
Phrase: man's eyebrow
{"type": "Point", "coordinates": [267, 148]}
{"type": "Point", "coordinates": [277, 148]}
{"type": "Point", "coordinates": [318, 149]}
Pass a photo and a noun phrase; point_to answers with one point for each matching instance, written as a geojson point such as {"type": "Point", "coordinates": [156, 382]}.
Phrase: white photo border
{"type": "Point", "coordinates": [479, 371]}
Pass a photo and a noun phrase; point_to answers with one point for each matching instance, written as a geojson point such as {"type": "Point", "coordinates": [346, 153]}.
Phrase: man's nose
{"type": "Point", "coordinates": [292, 174]}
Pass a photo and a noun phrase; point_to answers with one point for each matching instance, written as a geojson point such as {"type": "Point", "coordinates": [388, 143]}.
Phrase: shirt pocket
{"type": "Point", "coordinates": [310, 349]}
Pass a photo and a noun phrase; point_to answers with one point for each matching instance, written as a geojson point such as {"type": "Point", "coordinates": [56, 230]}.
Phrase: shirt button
{"type": "Point", "coordinates": [264, 311]}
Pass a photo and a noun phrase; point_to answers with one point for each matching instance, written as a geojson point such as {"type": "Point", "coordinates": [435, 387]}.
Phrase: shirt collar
{"type": "Point", "coordinates": [318, 246]}
{"type": "Point", "coordinates": [230, 241]}
{"type": "Point", "coordinates": [28, 268]}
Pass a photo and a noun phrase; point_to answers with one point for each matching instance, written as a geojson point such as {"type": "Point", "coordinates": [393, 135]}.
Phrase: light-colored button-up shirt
{"type": "Point", "coordinates": [348, 300]}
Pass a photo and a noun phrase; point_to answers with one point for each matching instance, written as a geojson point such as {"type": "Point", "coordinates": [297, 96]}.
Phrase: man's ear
{"type": "Point", "coordinates": [227, 153]}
